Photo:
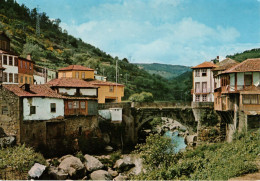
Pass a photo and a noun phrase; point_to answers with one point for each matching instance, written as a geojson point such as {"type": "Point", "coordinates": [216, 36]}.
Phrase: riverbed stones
{"type": "Point", "coordinates": [121, 177]}
{"type": "Point", "coordinates": [109, 148]}
{"type": "Point", "coordinates": [92, 163]}
{"type": "Point", "coordinates": [100, 175]}
{"type": "Point", "coordinates": [124, 164]}
{"type": "Point", "coordinates": [73, 166]}
{"type": "Point", "coordinates": [57, 173]}
{"type": "Point", "coordinates": [113, 173]}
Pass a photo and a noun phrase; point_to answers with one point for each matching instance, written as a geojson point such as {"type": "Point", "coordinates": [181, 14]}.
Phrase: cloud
{"type": "Point", "coordinates": [149, 31]}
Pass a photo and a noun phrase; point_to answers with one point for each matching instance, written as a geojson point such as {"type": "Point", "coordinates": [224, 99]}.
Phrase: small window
{"type": "Point", "coordinates": [26, 80]}
{"type": "Point", "coordinates": [83, 105]}
{"type": "Point", "coordinates": [53, 107]}
{"type": "Point", "coordinates": [21, 79]}
{"type": "Point", "coordinates": [197, 73]}
{"type": "Point", "coordinates": [5, 60]}
{"type": "Point", "coordinates": [83, 75]}
{"type": "Point", "coordinates": [204, 72]}
{"type": "Point", "coordinates": [77, 74]}
{"type": "Point", "coordinates": [25, 64]}
{"type": "Point", "coordinates": [32, 110]}
{"type": "Point", "coordinates": [30, 80]}
{"type": "Point", "coordinates": [4, 110]}
{"type": "Point", "coordinates": [76, 104]}
{"type": "Point", "coordinates": [80, 130]}
{"type": "Point", "coordinates": [21, 64]}
{"type": "Point", "coordinates": [16, 78]}
{"type": "Point", "coordinates": [197, 98]}
{"type": "Point", "coordinates": [64, 74]}
{"type": "Point", "coordinates": [111, 88]}
{"type": "Point", "coordinates": [204, 98]}
{"type": "Point", "coordinates": [10, 60]}
{"type": "Point", "coordinates": [4, 77]}
{"type": "Point", "coordinates": [11, 77]}
{"type": "Point", "coordinates": [70, 105]}
{"type": "Point", "coordinates": [15, 61]}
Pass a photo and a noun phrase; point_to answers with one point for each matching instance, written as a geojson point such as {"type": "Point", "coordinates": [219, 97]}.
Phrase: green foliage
{"type": "Point", "coordinates": [219, 161]}
{"type": "Point", "coordinates": [80, 155]}
{"type": "Point", "coordinates": [156, 121]}
{"type": "Point", "coordinates": [254, 53]}
{"type": "Point", "coordinates": [209, 118]}
{"type": "Point", "coordinates": [19, 158]}
{"type": "Point", "coordinates": [110, 162]}
{"type": "Point", "coordinates": [142, 97]}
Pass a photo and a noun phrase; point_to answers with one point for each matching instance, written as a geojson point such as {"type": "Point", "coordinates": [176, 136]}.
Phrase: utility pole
{"type": "Point", "coordinates": [116, 81]}
{"type": "Point", "coordinates": [38, 30]}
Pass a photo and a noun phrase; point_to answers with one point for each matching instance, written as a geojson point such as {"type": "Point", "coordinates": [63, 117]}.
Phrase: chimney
{"type": "Point", "coordinates": [27, 87]}
{"type": "Point", "coordinates": [29, 57]}
{"type": "Point", "coordinates": [218, 58]}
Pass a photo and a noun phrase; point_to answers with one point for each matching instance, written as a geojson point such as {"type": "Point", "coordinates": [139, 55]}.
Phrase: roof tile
{"type": "Point", "coordinates": [205, 65]}
{"type": "Point", "coordinates": [76, 67]}
{"type": "Point", "coordinates": [70, 82]}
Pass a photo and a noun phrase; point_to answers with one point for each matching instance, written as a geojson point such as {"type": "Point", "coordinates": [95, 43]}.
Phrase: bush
{"type": "Point", "coordinates": [142, 97]}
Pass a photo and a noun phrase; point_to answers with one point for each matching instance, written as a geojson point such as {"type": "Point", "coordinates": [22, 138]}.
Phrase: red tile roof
{"type": "Point", "coordinates": [76, 67]}
{"type": "Point", "coordinates": [249, 65]}
{"type": "Point", "coordinates": [35, 91]}
{"type": "Point", "coordinates": [70, 82]}
{"type": "Point", "coordinates": [100, 83]}
{"type": "Point", "coordinates": [226, 64]}
{"type": "Point", "coordinates": [205, 65]}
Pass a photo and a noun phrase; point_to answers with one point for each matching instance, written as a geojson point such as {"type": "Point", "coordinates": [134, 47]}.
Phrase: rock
{"type": "Point", "coordinates": [106, 138]}
{"type": "Point", "coordinates": [92, 163]}
{"type": "Point", "coordinates": [190, 140]}
{"type": "Point", "coordinates": [64, 157]}
{"type": "Point", "coordinates": [7, 141]}
{"type": "Point", "coordinates": [73, 166]}
{"type": "Point", "coordinates": [36, 171]}
{"type": "Point", "coordinates": [121, 177]}
{"type": "Point", "coordinates": [85, 178]}
{"type": "Point", "coordinates": [124, 164]}
{"type": "Point", "coordinates": [138, 165]}
{"type": "Point", "coordinates": [57, 173]}
{"type": "Point", "coordinates": [113, 173]}
{"type": "Point", "coordinates": [100, 175]}
{"type": "Point", "coordinates": [109, 148]}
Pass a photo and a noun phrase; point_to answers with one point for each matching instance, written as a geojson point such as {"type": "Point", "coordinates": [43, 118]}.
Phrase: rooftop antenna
{"type": "Point", "coordinates": [38, 29]}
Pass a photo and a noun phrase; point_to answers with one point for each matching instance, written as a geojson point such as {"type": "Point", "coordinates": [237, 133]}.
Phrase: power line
{"type": "Point", "coordinates": [38, 29]}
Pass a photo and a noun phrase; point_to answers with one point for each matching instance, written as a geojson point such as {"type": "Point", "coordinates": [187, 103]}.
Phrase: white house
{"type": "Point", "coordinates": [203, 82]}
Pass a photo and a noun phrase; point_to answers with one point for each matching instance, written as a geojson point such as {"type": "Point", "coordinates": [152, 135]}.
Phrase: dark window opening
{"type": "Point", "coordinates": [5, 60]}
{"type": "Point", "coordinates": [32, 110]}
{"type": "Point", "coordinates": [10, 60]}
{"type": "Point", "coordinates": [53, 107]}
{"type": "Point", "coordinates": [80, 130]}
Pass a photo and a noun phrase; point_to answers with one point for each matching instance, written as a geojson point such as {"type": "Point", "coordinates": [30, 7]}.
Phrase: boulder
{"type": "Point", "coordinates": [121, 177]}
{"type": "Point", "coordinates": [64, 157]}
{"type": "Point", "coordinates": [100, 175]}
{"type": "Point", "coordinates": [113, 173]}
{"type": "Point", "coordinates": [57, 173]}
{"type": "Point", "coordinates": [109, 148]}
{"type": "Point", "coordinates": [73, 166]}
{"type": "Point", "coordinates": [124, 164]}
{"type": "Point", "coordinates": [92, 163]}
{"type": "Point", "coordinates": [36, 171]}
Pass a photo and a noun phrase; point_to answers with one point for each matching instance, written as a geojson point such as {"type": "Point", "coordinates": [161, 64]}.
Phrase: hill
{"type": "Point", "coordinates": [254, 53]}
{"type": "Point", "coordinates": [165, 70]}
{"type": "Point", "coordinates": [55, 48]}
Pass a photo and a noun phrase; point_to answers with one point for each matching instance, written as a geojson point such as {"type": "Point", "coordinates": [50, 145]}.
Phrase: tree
{"type": "Point", "coordinates": [142, 97]}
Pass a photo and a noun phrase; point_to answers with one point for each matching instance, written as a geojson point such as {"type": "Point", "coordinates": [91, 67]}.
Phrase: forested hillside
{"type": "Point", "coordinates": [165, 70]}
{"type": "Point", "coordinates": [254, 53]}
{"type": "Point", "coordinates": [55, 48]}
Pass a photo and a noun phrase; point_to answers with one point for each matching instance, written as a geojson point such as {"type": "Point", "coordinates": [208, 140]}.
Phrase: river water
{"type": "Point", "coordinates": [176, 140]}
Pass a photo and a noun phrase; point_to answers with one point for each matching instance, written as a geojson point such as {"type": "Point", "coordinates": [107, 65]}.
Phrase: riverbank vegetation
{"type": "Point", "coordinates": [218, 161]}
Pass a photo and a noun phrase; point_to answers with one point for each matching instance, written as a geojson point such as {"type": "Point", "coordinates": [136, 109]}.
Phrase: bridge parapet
{"type": "Point", "coordinates": [161, 104]}
{"type": "Point", "coordinates": [200, 105]}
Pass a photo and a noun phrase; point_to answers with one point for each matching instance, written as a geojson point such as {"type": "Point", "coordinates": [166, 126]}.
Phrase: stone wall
{"type": "Point", "coordinates": [10, 117]}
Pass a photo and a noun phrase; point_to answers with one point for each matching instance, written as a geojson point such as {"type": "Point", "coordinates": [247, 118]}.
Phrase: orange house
{"type": "Point", "coordinates": [108, 91]}
{"type": "Point", "coordinates": [76, 71]}
{"type": "Point", "coordinates": [25, 70]}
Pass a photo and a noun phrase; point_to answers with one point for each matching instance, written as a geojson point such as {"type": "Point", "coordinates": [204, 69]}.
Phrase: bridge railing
{"type": "Point", "coordinates": [160, 104]}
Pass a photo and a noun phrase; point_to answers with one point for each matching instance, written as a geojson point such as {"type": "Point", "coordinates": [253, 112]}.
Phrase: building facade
{"type": "Point", "coordinates": [76, 71]}
{"type": "Point", "coordinates": [25, 70]}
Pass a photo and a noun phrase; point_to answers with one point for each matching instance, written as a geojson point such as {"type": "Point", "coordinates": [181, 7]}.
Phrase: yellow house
{"type": "Point", "coordinates": [108, 91]}
{"type": "Point", "coordinates": [76, 71]}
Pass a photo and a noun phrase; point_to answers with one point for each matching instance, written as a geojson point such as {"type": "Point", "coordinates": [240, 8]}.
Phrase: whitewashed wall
{"type": "Point", "coordinates": [88, 92]}
{"type": "Point", "coordinates": [68, 91]}
{"type": "Point", "coordinates": [38, 79]}
{"type": "Point", "coordinates": [116, 114]}
{"type": "Point", "coordinates": [9, 69]}
{"type": "Point", "coordinates": [43, 108]}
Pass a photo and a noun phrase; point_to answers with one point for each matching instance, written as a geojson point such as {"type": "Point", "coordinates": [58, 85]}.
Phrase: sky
{"type": "Point", "coordinates": [178, 32]}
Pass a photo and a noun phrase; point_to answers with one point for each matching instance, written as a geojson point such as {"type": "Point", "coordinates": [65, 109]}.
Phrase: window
{"type": "Point", "coordinates": [204, 87]}
{"type": "Point", "coordinates": [80, 130]}
{"type": "Point", "coordinates": [76, 104]}
{"type": "Point", "coordinates": [197, 98]}
{"type": "Point", "coordinates": [10, 60]}
{"type": "Point", "coordinates": [248, 79]}
{"type": "Point", "coordinates": [53, 107]}
{"type": "Point", "coordinates": [204, 72]}
{"type": "Point", "coordinates": [26, 80]}
{"type": "Point", "coordinates": [83, 105]}
{"type": "Point", "coordinates": [111, 88]}
{"type": "Point", "coordinates": [11, 77]}
{"type": "Point", "coordinates": [70, 105]}
{"type": "Point", "coordinates": [32, 110]}
{"type": "Point", "coordinates": [15, 61]}
{"type": "Point", "coordinates": [204, 98]}
{"type": "Point", "coordinates": [251, 99]}
{"type": "Point", "coordinates": [4, 110]}
{"type": "Point", "coordinates": [15, 78]}
{"type": "Point", "coordinates": [197, 87]}
{"type": "Point", "coordinates": [77, 74]}
{"type": "Point", "coordinates": [83, 75]}
{"type": "Point", "coordinates": [197, 73]}
{"type": "Point", "coordinates": [64, 74]}
{"type": "Point", "coordinates": [4, 77]}
{"type": "Point", "coordinates": [25, 64]}
{"type": "Point", "coordinates": [5, 60]}
{"type": "Point", "coordinates": [30, 66]}
{"type": "Point", "coordinates": [30, 80]}
{"type": "Point", "coordinates": [21, 64]}
{"type": "Point", "coordinates": [21, 79]}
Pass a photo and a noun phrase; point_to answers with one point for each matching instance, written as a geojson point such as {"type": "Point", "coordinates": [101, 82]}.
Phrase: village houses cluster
{"type": "Point", "coordinates": [233, 88]}
{"type": "Point", "coordinates": [40, 105]}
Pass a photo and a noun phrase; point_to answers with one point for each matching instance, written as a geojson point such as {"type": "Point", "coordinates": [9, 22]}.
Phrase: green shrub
{"type": "Point", "coordinates": [142, 97]}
